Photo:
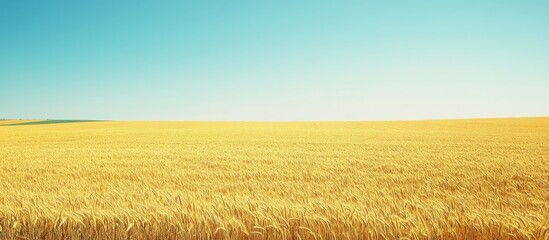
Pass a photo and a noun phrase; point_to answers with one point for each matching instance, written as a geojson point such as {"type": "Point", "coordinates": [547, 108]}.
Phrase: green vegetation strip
{"type": "Point", "coordinates": [52, 122]}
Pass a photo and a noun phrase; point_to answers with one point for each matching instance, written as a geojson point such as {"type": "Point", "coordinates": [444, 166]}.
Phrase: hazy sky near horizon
{"type": "Point", "coordinates": [273, 60]}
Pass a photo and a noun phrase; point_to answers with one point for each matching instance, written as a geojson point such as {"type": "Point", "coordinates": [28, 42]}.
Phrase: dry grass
{"type": "Point", "coordinates": [458, 179]}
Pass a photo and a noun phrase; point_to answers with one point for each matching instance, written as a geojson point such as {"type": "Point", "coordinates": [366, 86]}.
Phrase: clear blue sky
{"type": "Point", "coordinates": [273, 60]}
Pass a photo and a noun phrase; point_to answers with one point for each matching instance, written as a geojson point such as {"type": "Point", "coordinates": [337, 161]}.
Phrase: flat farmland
{"type": "Point", "coordinates": [457, 179]}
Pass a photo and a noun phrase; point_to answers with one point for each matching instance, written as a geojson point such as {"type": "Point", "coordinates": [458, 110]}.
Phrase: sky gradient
{"type": "Point", "coordinates": [273, 61]}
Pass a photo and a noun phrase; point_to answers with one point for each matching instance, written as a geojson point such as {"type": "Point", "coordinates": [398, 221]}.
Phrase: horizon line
{"type": "Point", "coordinates": [279, 121]}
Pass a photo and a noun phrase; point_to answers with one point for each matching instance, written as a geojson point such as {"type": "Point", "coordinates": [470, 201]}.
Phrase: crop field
{"type": "Point", "coordinates": [444, 179]}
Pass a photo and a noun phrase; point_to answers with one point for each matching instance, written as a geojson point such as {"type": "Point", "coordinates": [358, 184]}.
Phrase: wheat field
{"type": "Point", "coordinates": [444, 179]}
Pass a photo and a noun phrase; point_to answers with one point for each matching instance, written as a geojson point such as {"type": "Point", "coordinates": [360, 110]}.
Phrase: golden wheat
{"type": "Point", "coordinates": [457, 179]}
